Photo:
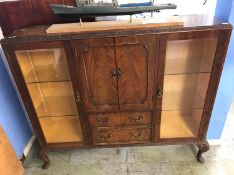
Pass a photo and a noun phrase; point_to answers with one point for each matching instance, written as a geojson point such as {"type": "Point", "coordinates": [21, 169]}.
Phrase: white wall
{"type": "Point", "coordinates": [184, 7]}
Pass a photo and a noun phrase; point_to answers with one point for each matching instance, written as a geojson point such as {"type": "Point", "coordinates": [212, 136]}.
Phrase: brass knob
{"type": "Point", "coordinates": [159, 93]}
{"type": "Point", "coordinates": [116, 73]}
{"type": "Point", "coordinates": [77, 97]}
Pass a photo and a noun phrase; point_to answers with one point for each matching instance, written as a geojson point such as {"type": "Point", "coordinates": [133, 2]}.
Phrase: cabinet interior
{"type": "Point", "coordinates": [190, 56]}
{"type": "Point", "coordinates": [48, 81]}
{"type": "Point", "coordinates": [61, 129]}
{"type": "Point", "coordinates": [188, 66]}
{"type": "Point", "coordinates": [185, 91]}
{"type": "Point", "coordinates": [180, 123]}
{"type": "Point", "coordinates": [43, 65]}
{"type": "Point", "coordinates": [53, 98]}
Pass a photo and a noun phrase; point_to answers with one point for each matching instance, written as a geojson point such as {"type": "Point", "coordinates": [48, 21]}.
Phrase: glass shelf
{"type": "Point", "coordinates": [185, 91]}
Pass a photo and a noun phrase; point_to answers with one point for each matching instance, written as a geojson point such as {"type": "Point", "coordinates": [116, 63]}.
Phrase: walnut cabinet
{"type": "Point", "coordinates": [147, 88]}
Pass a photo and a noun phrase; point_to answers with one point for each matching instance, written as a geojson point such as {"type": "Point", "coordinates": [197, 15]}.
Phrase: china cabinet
{"type": "Point", "coordinates": [119, 88]}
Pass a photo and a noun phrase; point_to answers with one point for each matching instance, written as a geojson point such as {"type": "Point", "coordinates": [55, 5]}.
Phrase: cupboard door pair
{"type": "Point", "coordinates": [188, 63]}
{"type": "Point", "coordinates": [116, 73]}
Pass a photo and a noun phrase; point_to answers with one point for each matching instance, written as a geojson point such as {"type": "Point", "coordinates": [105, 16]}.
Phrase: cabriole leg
{"type": "Point", "coordinates": [43, 155]}
{"type": "Point", "coordinates": [203, 147]}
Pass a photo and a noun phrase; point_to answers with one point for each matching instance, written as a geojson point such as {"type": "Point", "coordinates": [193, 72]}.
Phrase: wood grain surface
{"type": "Point", "coordinates": [9, 163]}
{"type": "Point", "coordinates": [113, 25]}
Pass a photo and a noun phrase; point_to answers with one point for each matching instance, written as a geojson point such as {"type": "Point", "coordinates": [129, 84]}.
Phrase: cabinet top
{"type": "Point", "coordinates": [191, 23]}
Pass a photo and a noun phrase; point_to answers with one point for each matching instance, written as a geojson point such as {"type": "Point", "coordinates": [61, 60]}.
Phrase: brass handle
{"type": "Point", "coordinates": [77, 97]}
{"type": "Point", "coordinates": [136, 119]}
{"type": "Point", "coordinates": [102, 119]}
{"type": "Point", "coordinates": [116, 73]}
{"type": "Point", "coordinates": [134, 134]}
{"type": "Point", "coordinates": [105, 137]}
{"type": "Point", "coordinates": [101, 128]}
{"type": "Point", "coordinates": [159, 93]}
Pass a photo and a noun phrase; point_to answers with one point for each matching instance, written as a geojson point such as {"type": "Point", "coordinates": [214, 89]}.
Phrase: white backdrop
{"type": "Point", "coordinates": [184, 7]}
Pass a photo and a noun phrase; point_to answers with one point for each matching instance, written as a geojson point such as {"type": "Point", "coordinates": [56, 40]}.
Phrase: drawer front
{"type": "Point", "coordinates": [119, 119]}
{"type": "Point", "coordinates": [122, 136]}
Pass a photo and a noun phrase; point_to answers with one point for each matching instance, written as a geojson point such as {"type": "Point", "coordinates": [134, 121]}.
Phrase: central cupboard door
{"type": "Point", "coordinates": [135, 58]}
{"type": "Point", "coordinates": [96, 66]}
{"type": "Point", "coordinates": [116, 73]}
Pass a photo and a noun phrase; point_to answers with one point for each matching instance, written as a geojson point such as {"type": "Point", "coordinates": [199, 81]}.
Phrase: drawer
{"type": "Point", "coordinates": [122, 136]}
{"type": "Point", "coordinates": [119, 119]}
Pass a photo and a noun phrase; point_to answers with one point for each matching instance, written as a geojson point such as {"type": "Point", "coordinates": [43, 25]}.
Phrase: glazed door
{"type": "Point", "coordinates": [97, 74]}
{"type": "Point", "coordinates": [186, 71]}
{"type": "Point", "coordinates": [135, 58]}
{"type": "Point", "coordinates": [45, 78]}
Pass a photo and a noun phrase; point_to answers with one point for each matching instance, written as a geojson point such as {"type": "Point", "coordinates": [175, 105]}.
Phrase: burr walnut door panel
{"type": "Point", "coordinates": [135, 60]}
{"type": "Point", "coordinates": [96, 63]}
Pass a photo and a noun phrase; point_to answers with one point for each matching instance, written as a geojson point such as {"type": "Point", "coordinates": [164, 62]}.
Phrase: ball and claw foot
{"type": "Point", "coordinates": [43, 155]}
{"type": "Point", "coordinates": [203, 147]}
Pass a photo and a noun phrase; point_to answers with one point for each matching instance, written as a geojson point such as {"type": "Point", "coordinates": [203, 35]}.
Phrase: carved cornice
{"type": "Point", "coordinates": [38, 38]}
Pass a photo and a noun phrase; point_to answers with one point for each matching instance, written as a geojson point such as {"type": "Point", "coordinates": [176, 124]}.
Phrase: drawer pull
{"type": "Point", "coordinates": [136, 119]}
{"type": "Point", "coordinates": [135, 134]}
{"type": "Point", "coordinates": [102, 119]}
{"type": "Point", "coordinates": [104, 137]}
{"type": "Point", "coordinates": [101, 128]}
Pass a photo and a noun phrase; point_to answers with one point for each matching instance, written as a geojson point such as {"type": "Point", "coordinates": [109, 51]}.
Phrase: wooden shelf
{"type": "Point", "coordinates": [43, 65]}
{"type": "Point", "coordinates": [61, 129]}
{"type": "Point", "coordinates": [180, 123]}
{"type": "Point", "coordinates": [190, 56]}
{"type": "Point", "coordinates": [53, 98]}
{"type": "Point", "coordinates": [185, 91]}
{"type": "Point", "coordinates": [68, 28]}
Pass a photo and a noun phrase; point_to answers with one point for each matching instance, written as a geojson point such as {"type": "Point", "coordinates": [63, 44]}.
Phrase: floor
{"type": "Point", "coordinates": [150, 160]}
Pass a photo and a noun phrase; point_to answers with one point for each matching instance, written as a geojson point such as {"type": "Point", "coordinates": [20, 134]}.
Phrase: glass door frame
{"type": "Point", "coordinates": [10, 50]}
{"type": "Point", "coordinates": [212, 85]}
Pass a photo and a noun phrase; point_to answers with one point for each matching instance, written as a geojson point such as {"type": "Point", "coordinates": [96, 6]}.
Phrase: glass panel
{"type": "Point", "coordinates": [47, 77]}
{"type": "Point", "coordinates": [43, 65]}
{"type": "Point", "coordinates": [187, 73]}
{"type": "Point", "coordinates": [61, 129]}
{"type": "Point", "coordinates": [185, 91]}
{"type": "Point", "coordinates": [53, 98]}
{"type": "Point", "coordinates": [190, 56]}
{"type": "Point", "coordinates": [180, 123]}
